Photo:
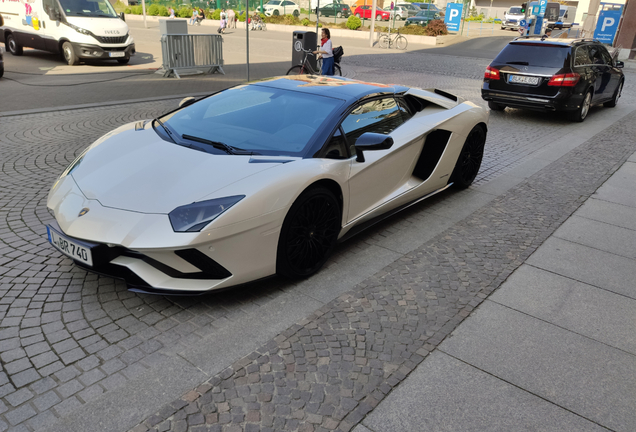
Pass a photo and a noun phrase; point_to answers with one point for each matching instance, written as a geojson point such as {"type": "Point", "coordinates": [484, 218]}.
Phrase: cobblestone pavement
{"type": "Point", "coordinates": [331, 369]}
{"type": "Point", "coordinates": [68, 337]}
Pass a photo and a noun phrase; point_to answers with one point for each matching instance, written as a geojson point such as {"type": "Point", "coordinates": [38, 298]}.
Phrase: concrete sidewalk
{"type": "Point", "coordinates": [554, 348]}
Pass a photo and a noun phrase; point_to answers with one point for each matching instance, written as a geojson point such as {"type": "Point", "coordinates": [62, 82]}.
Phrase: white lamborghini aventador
{"type": "Point", "coordinates": [259, 179]}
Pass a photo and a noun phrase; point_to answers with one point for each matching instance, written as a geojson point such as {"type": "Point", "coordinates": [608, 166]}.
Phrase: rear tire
{"type": "Point", "coordinates": [308, 234]}
{"type": "Point", "coordinates": [295, 70]}
{"type": "Point", "coordinates": [494, 106]}
{"type": "Point", "coordinates": [401, 42]}
{"type": "Point", "coordinates": [469, 160]}
{"type": "Point", "coordinates": [358, 15]}
{"type": "Point", "coordinates": [616, 97]}
{"type": "Point", "coordinates": [336, 70]}
{"type": "Point", "coordinates": [339, 15]}
{"type": "Point", "coordinates": [581, 113]}
{"type": "Point", "coordinates": [14, 47]}
{"type": "Point", "coordinates": [384, 41]}
{"type": "Point", "coordinates": [69, 54]}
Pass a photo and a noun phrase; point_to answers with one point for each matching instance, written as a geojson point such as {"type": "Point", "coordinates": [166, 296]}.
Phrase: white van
{"type": "Point", "coordinates": [78, 29]}
{"type": "Point", "coordinates": [566, 17]}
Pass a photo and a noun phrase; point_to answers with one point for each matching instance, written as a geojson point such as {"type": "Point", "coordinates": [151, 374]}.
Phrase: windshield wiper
{"type": "Point", "coordinates": [164, 128]}
{"type": "Point", "coordinates": [219, 145]}
{"type": "Point", "coordinates": [523, 63]}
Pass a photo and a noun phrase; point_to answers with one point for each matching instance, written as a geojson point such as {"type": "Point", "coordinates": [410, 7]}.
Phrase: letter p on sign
{"type": "Point", "coordinates": [607, 22]}
{"type": "Point", "coordinates": [455, 12]}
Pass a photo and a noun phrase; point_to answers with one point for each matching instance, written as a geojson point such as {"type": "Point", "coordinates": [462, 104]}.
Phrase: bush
{"type": "Point", "coordinates": [153, 10]}
{"type": "Point", "coordinates": [137, 10]}
{"type": "Point", "coordinates": [119, 6]}
{"type": "Point", "coordinates": [128, 11]}
{"type": "Point", "coordinates": [163, 11]}
{"type": "Point", "coordinates": [184, 12]}
{"type": "Point", "coordinates": [305, 22]}
{"type": "Point", "coordinates": [354, 23]}
{"type": "Point", "coordinates": [281, 19]}
{"type": "Point", "coordinates": [413, 30]}
{"type": "Point", "coordinates": [436, 28]}
{"type": "Point", "coordinates": [216, 15]}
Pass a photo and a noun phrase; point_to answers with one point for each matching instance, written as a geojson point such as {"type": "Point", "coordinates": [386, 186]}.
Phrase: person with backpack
{"type": "Point", "coordinates": [326, 52]}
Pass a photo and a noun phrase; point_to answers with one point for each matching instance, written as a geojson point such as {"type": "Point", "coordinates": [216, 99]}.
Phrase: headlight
{"type": "Point", "coordinates": [194, 217]}
{"type": "Point", "coordinates": [80, 30]}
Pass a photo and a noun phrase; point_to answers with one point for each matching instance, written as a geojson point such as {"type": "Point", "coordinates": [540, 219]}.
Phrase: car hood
{"type": "Point", "coordinates": [103, 26]}
{"type": "Point", "coordinates": [140, 172]}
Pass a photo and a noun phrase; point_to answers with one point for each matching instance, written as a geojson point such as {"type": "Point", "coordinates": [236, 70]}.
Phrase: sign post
{"type": "Point", "coordinates": [453, 16]}
{"type": "Point", "coordinates": [607, 25]}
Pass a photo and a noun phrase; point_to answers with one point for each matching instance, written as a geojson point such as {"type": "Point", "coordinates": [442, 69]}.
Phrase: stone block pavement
{"type": "Point", "coordinates": [73, 344]}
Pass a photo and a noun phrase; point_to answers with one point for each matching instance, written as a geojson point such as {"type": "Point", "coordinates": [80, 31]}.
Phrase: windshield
{"type": "Point", "coordinates": [256, 119]}
{"type": "Point", "coordinates": [88, 8]}
{"type": "Point", "coordinates": [542, 55]}
{"type": "Point", "coordinates": [515, 11]}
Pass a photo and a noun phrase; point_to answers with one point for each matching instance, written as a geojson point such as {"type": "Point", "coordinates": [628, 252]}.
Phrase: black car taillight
{"type": "Point", "coordinates": [564, 80]}
{"type": "Point", "coordinates": [491, 73]}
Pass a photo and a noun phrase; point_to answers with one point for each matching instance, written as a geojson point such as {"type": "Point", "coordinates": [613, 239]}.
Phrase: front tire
{"type": "Point", "coordinates": [308, 234]}
{"type": "Point", "coordinates": [69, 54]}
{"type": "Point", "coordinates": [14, 47]}
{"type": "Point", "coordinates": [123, 61]}
{"type": "Point", "coordinates": [617, 95]}
{"type": "Point", "coordinates": [401, 42]}
{"type": "Point", "coordinates": [276, 13]}
{"type": "Point", "coordinates": [295, 70]}
{"type": "Point", "coordinates": [378, 17]}
{"type": "Point", "coordinates": [469, 160]}
{"type": "Point", "coordinates": [336, 70]}
{"type": "Point", "coordinates": [580, 114]}
{"type": "Point", "coordinates": [296, 13]}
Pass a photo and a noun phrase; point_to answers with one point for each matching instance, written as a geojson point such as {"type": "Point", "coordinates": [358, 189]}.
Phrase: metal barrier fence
{"type": "Point", "coordinates": [191, 51]}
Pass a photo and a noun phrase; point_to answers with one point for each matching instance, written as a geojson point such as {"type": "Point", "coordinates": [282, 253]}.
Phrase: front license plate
{"type": "Point", "coordinates": [520, 79]}
{"type": "Point", "coordinates": [117, 54]}
{"type": "Point", "coordinates": [69, 247]}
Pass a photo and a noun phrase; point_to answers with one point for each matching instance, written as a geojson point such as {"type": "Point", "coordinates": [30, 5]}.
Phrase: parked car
{"type": "Point", "coordinates": [512, 17]}
{"type": "Point", "coordinates": [1, 62]}
{"type": "Point", "coordinates": [365, 12]}
{"type": "Point", "coordinates": [340, 10]}
{"type": "Point", "coordinates": [569, 75]}
{"type": "Point", "coordinates": [429, 6]}
{"type": "Point", "coordinates": [422, 18]}
{"type": "Point", "coordinates": [173, 205]}
{"type": "Point", "coordinates": [281, 7]}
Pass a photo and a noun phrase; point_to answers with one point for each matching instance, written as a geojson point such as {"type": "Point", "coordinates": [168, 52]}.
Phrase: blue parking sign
{"type": "Point", "coordinates": [607, 25]}
{"type": "Point", "coordinates": [453, 17]}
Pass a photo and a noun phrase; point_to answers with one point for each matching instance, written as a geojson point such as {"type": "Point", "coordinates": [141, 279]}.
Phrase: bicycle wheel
{"type": "Point", "coordinates": [384, 41]}
{"type": "Point", "coordinates": [401, 42]}
{"type": "Point", "coordinates": [336, 70]}
{"type": "Point", "coordinates": [319, 66]}
{"type": "Point", "coordinates": [295, 70]}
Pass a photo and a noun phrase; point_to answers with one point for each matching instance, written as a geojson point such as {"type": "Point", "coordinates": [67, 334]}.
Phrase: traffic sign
{"type": "Point", "coordinates": [523, 23]}
{"type": "Point", "coordinates": [607, 25]}
{"type": "Point", "coordinates": [453, 16]}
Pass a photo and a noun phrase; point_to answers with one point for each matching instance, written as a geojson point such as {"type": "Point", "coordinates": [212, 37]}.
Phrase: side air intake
{"type": "Point", "coordinates": [434, 147]}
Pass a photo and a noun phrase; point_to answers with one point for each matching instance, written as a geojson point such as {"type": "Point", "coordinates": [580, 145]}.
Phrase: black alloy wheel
{"type": "Point", "coordinates": [494, 106]}
{"type": "Point", "coordinates": [469, 160]}
{"type": "Point", "coordinates": [582, 111]}
{"type": "Point", "coordinates": [616, 97]}
{"type": "Point", "coordinates": [309, 233]}
{"type": "Point", "coordinates": [13, 46]}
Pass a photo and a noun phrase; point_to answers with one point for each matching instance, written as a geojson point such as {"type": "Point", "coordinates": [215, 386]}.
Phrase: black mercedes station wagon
{"type": "Point", "coordinates": [538, 73]}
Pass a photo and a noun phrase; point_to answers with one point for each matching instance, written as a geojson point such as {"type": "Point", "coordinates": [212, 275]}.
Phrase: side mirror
{"type": "Point", "coordinates": [122, 16]}
{"type": "Point", "coordinates": [371, 141]}
{"type": "Point", "coordinates": [620, 64]}
{"type": "Point", "coordinates": [187, 102]}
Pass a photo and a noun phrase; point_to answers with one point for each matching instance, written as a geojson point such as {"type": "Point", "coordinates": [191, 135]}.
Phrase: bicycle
{"type": "Point", "coordinates": [305, 67]}
{"type": "Point", "coordinates": [398, 40]}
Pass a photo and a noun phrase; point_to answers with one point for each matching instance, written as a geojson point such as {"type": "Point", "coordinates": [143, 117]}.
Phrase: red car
{"type": "Point", "coordinates": [365, 12]}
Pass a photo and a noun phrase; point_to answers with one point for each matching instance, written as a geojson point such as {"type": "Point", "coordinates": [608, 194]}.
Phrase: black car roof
{"type": "Point", "coordinates": [551, 41]}
{"type": "Point", "coordinates": [335, 87]}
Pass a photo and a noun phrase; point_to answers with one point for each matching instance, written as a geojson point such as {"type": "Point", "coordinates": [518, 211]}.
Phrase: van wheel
{"type": "Point", "coordinates": [69, 54]}
{"type": "Point", "coordinates": [14, 47]}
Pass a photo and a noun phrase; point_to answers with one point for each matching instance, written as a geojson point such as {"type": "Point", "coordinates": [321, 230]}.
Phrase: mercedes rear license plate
{"type": "Point", "coordinates": [520, 79]}
{"type": "Point", "coordinates": [117, 54]}
{"type": "Point", "coordinates": [69, 247]}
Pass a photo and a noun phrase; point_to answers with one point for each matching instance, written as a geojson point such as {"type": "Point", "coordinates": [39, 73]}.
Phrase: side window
{"type": "Point", "coordinates": [595, 55]}
{"type": "Point", "coordinates": [404, 111]}
{"type": "Point", "coordinates": [607, 58]}
{"type": "Point", "coordinates": [336, 148]}
{"type": "Point", "coordinates": [379, 116]}
{"type": "Point", "coordinates": [50, 6]}
{"type": "Point", "coordinates": [582, 56]}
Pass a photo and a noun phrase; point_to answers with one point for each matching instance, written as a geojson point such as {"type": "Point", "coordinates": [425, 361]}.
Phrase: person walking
{"type": "Point", "coordinates": [170, 13]}
{"type": "Point", "coordinates": [326, 52]}
{"type": "Point", "coordinates": [231, 18]}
